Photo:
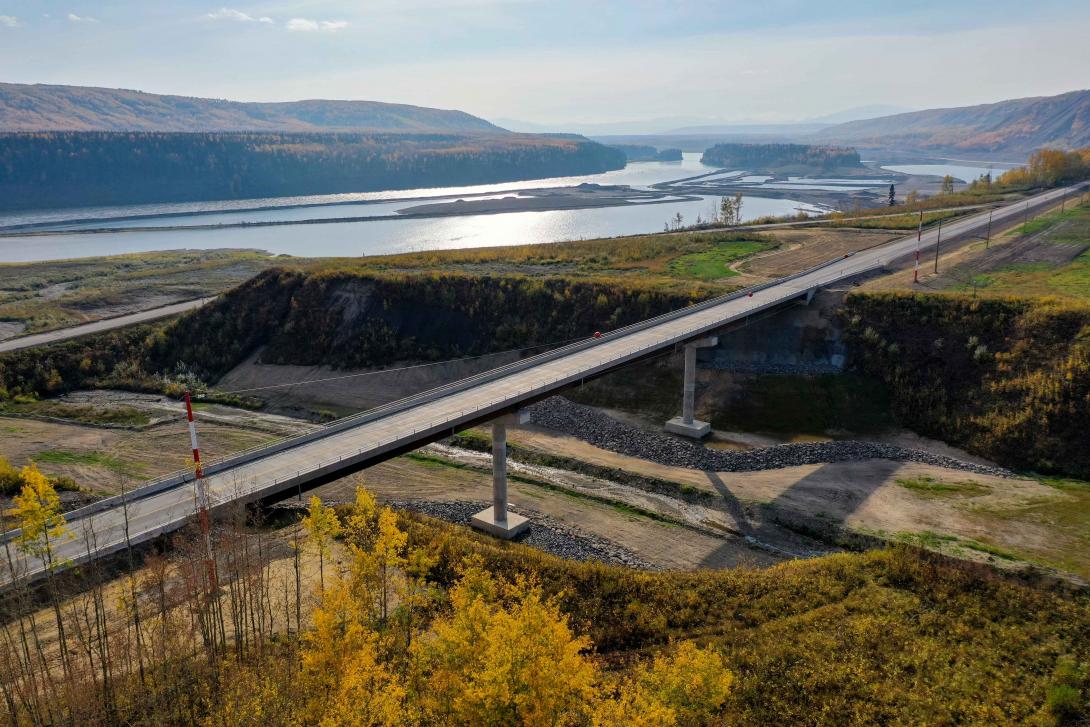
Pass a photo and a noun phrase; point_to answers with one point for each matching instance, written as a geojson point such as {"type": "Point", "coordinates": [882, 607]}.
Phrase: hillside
{"type": "Point", "coordinates": [1016, 126]}
{"type": "Point", "coordinates": [41, 107]}
{"type": "Point", "coordinates": [61, 169]}
{"type": "Point", "coordinates": [768, 157]}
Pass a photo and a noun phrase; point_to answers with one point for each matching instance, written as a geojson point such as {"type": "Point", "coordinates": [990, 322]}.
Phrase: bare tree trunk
{"type": "Point", "coordinates": [133, 595]}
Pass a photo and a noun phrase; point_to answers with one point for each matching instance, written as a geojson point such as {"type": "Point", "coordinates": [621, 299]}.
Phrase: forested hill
{"type": "Point", "coordinates": [80, 108]}
{"type": "Point", "coordinates": [1018, 126]}
{"type": "Point", "coordinates": [65, 169]}
{"type": "Point", "coordinates": [776, 157]}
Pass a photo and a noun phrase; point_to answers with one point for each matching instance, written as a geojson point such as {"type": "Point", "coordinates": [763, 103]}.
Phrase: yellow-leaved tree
{"type": "Point", "coordinates": [359, 526]}
{"type": "Point", "coordinates": [685, 688]}
{"type": "Point", "coordinates": [347, 677]}
{"type": "Point", "coordinates": [385, 648]}
{"type": "Point", "coordinates": [322, 528]}
{"type": "Point", "coordinates": [506, 655]}
{"type": "Point", "coordinates": [37, 510]}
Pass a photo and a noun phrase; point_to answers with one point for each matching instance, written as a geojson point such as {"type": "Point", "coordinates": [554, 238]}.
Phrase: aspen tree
{"type": "Point", "coordinates": [38, 511]}
{"type": "Point", "coordinates": [322, 528]}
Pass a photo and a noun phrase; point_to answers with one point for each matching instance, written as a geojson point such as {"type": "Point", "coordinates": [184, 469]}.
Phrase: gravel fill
{"type": "Point", "coordinates": [544, 533]}
{"type": "Point", "coordinates": [601, 430]}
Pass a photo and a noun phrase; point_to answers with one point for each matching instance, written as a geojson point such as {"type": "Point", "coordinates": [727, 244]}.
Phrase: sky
{"type": "Point", "coordinates": [562, 61]}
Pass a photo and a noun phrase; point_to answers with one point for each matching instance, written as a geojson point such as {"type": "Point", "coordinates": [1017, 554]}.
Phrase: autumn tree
{"type": "Point", "coordinates": [345, 670]}
{"type": "Point", "coordinates": [37, 510]}
{"type": "Point", "coordinates": [359, 526]}
{"type": "Point", "coordinates": [388, 555]}
{"type": "Point", "coordinates": [685, 688]}
{"type": "Point", "coordinates": [726, 210]}
{"type": "Point", "coordinates": [322, 528]}
{"type": "Point", "coordinates": [506, 655]}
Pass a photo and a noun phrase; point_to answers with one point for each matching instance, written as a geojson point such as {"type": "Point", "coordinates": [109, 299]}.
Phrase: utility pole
{"type": "Point", "coordinates": [1025, 218]}
{"type": "Point", "coordinates": [1063, 202]}
{"type": "Point", "coordinates": [938, 241]}
{"type": "Point", "coordinates": [988, 239]}
{"type": "Point", "coordinates": [202, 498]}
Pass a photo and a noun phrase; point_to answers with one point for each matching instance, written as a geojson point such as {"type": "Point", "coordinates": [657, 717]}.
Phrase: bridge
{"type": "Point", "coordinates": [348, 445]}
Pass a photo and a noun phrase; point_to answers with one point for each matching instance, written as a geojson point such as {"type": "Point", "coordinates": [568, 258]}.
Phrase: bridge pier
{"type": "Point", "coordinates": [497, 520]}
{"type": "Point", "coordinates": [685, 425]}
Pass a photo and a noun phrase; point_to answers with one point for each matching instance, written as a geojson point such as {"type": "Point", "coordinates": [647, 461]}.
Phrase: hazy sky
{"type": "Point", "coordinates": [555, 61]}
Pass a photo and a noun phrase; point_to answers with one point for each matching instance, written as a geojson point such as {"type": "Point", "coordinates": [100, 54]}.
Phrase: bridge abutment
{"type": "Point", "coordinates": [497, 520]}
{"type": "Point", "coordinates": [686, 425]}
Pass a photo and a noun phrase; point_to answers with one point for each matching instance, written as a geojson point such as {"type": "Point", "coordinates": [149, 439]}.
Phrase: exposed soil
{"type": "Point", "coordinates": [662, 544]}
{"type": "Point", "coordinates": [10, 329]}
{"type": "Point", "coordinates": [860, 496]}
{"type": "Point", "coordinates": [803, 248]}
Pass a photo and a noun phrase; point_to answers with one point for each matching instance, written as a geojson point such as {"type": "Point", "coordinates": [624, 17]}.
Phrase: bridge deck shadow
{"type": "Point", "coordinates": [837, 505]}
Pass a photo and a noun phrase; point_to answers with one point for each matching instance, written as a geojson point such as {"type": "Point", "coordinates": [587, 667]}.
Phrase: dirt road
{"type": "Point", "coordinates": [105, 324]}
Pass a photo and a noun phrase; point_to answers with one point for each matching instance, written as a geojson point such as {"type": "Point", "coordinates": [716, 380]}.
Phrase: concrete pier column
{"type": "Point", "coordinates": [499, 470]}
{"type": "Point", "coordinates": [498, 520]}
{"type": "Point", "coordinates": [686, 425]}
{"type": "Point", "coordinates": [688, 387]}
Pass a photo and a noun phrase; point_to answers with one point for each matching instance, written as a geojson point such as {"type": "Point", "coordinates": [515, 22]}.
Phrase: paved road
{"type": "Point", "coordinates": [372, 436]}
{"type": "Point", "coordinates": [106, 324]}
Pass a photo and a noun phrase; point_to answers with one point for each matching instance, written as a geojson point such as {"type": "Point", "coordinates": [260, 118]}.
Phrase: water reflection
{"type": "Point", "coordinates": [964, 172]}
{"type": "Point", "coordinates": [395, 235]}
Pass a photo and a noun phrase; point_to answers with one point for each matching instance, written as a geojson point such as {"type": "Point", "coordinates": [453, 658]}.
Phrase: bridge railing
{"type": "Point", "coordinates": [175, 479]}
{"type": "Point", "coordinates": [219, 464]}
{"type": "Point", "coordinates": [180, 477]}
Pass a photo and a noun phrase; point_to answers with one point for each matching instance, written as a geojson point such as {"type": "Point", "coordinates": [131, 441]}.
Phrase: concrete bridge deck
{"type": "Point", "coordinates": [370, 437]}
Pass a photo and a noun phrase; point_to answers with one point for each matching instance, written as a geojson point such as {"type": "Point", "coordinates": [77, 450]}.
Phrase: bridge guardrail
{"type": "Point", "coordinates": [182, 477]}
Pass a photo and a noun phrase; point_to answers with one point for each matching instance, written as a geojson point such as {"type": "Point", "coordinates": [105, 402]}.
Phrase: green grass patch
{"type": "Point", "coordinates": [1067, 484]}
{"type": "Point", "coordinates": [92, 459]}
{"type": "Point", "coordinates": [932, 487]}
{"type": "Point", "coordinates": [431, 462]}
{"type": "Point", "coordinates": [927, 539]}
{"type": "Point", "coordinates": [1052, 219]}
{"type": "Point", "coordinates": [988, 549]}
{"type": "Point", "coordinates": [122, 416]}
{"type": "Point", "coordinates": [714, 264]}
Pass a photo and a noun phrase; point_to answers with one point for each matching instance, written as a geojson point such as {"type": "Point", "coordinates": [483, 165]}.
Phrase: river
{"type": "Point", "coordinates": [371, 237]}
{"type": "Point", "coordinates": [334, 238]}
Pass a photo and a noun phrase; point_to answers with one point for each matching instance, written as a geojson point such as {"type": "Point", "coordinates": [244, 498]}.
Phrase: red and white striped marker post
{"type": "Point", "coordinates": [202, 496]}
{"type": "Point", "coordinates": [919, 234]}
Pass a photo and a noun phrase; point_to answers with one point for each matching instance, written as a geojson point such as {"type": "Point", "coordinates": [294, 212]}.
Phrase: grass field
{"type": "Point", "coordinates": [931, 487]}
{"type": "Point", "coordinates": [122, 416]}
{"type": "Point", "coordinates": [715, 263]}
{"type": "Point", "coordinates": [1070, 279]}
{"type": "Point", "coordinates": [671, 262]}
{"type": "Point", "coordinates": [907, 221]}
{"type": "Point", "coordinates": [54, 294]}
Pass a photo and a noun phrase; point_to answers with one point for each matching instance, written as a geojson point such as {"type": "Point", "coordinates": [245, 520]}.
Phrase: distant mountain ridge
{"type": "Point", "coordinates": [1015, 126]}
{"type": "Point", "coordinates": [41, 107]}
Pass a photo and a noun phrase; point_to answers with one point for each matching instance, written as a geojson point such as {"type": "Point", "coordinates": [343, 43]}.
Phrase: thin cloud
{"type": "Point", "coordinates": [72, 17]}
{"type": "Point", "coordinates": [9, 21]}
{"type": "Point", "coordinates": [304, 25]}
{"type": "Point", "coordinates": [237, 15]}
